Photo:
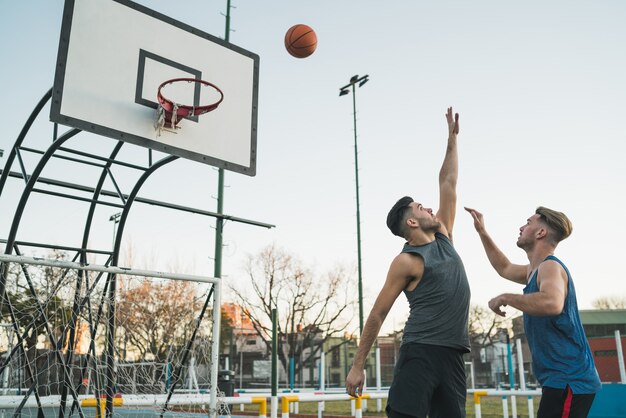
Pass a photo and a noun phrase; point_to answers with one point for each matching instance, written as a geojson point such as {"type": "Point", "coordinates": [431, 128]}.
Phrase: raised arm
{"type": "Point", "coordinates": [448, 176]}
{"type": "Point", "coordinates": [515, 272]}
{"type": "Point", "coordinates": [394, 284]}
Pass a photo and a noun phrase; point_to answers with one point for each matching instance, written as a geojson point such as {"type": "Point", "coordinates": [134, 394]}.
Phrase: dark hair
{"type": "Point", "coordinates": [557, 222]}
{"type": "Point", "coordinates": [395, 217]}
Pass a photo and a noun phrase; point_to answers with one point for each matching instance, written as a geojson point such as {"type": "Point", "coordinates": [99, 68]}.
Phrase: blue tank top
{"type": "Point", "coordinates": [559, 347]}
{"type": "Point", "coordinates": [440, 302]}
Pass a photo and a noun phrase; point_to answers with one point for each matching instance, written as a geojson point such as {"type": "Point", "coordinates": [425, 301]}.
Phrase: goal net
{"type": "Point", "coordinates": [91, 340]}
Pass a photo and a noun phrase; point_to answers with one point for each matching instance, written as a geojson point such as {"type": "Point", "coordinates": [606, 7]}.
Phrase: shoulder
{"type": "Point", "coordinates": [551, 264]}
{"type": "Point", "coordinates": [407, 265]}
{"type": "Point", "coordinates": [406, 260]}
{"type": "Point", "coordinates": [551, 269]}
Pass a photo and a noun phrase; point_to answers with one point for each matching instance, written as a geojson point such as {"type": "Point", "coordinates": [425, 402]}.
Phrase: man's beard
{"type": "Point", "coordinates": [523, 244]}
{"type": "Point", "coordinates": [429, 225]}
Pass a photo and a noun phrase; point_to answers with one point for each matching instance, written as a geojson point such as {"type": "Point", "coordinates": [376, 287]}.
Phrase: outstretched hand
{"type": "Point", "coordinates": [453, 122]}
{"type": "Point", "coordinates": [479, 223]}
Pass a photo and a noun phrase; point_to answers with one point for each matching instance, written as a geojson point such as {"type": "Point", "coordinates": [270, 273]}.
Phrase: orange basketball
{"type": "Point", "coordinates": [300, 41]}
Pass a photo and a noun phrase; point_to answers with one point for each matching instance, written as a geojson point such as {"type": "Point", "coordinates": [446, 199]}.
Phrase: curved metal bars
{"type": "Point", "coordinates": [77, 304]}
{"type": "Point", "coordinates": [21, 136]}
{"type": "Point", "coordinates": [30, 185]}
{"type": "Point", "coordinates": [111, 281]}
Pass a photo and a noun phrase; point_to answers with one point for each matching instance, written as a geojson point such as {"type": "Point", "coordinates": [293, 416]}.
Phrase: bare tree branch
{"type": "Point", "coordinates": [310, 309]}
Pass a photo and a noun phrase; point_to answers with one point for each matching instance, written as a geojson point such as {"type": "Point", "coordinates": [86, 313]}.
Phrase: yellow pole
{"type": "Point", "coordinates": [285, 404]}
{"type": "Point", "coordinates": [477, 396]}
{"type": "Point", "coordinates": [358, 404]}
{"type": "Point", "coordinates": [100, 405]}
{"type": "Point", "coordinates": [262, 405]}
{"type": "Point", "coordinates": [358, 408]}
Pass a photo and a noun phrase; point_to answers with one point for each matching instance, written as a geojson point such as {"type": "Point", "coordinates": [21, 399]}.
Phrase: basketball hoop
{"type": "Point", "coordinates": [171, 113]}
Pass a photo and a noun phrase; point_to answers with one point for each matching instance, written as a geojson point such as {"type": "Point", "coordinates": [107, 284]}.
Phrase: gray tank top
{"type": "Point", "coordinates": [440, 302]}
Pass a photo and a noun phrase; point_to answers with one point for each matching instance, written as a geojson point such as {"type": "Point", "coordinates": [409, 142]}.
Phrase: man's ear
{"type": "Point", "coordinates": [412, 222]}
{"type": "Point", "coordinates": [541, 233]}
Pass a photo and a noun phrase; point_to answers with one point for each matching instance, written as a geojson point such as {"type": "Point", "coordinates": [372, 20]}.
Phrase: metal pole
{"type": "Point", "coordinates": [522, 377]}
{"type": "Point", "coordinates": [215, 348]}
{"type": "Point", "coordinates": [358, 212]}
{"type": "Point", "coordinates": [620, 356]}
{"type": "Point", "coordinates": [321, 405]}
{"type": "Point", "coordinates": [219, 222]}
{"type": "Point", "coordinates": [379, 382]}
{"type": "Point", "coordinates": [274, 406]}
{"type": "Point", "coordinates": [511, 377]}
{"type": "Point", "coordinates": [115, 218]}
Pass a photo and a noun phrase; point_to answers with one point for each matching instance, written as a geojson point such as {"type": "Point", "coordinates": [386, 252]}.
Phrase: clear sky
{"type": "Point", "coordinates": [540, 88]}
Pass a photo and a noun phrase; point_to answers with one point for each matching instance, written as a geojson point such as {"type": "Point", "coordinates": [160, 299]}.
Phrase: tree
{"type": "Point", "coordinates": [610, 302]}
{"type": "Point", "coordinates": [484, 325]}
{"type": "Point", "coordinates": [155, 316]}
{"type": "Point", "coordinates": [226, 331]}
{"type": "Point", "coordinates": [32, 290]}
{"type": "Point", "coordinates": [310, 309]}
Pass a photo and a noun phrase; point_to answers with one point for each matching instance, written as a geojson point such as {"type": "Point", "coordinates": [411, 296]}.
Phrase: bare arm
{"type": "Point", "coordinates": [448, 175]}
{"type": "Point", "coordinates": [515, 272]}
{"type": "Point", "coordinates": [548, 301]}
{"type": "Point", "coordinates": [394, 284]}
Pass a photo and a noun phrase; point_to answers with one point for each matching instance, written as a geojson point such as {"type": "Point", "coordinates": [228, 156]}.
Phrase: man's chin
{"type": "Point", "coordinates": [434, 227]}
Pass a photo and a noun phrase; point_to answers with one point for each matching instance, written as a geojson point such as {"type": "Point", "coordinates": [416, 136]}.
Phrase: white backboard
{"type": "Point", "coordinates": [113, 55]}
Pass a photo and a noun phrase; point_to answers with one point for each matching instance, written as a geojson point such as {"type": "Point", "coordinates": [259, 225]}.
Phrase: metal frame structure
{"type": "Point", "coordinates": [59, 149]}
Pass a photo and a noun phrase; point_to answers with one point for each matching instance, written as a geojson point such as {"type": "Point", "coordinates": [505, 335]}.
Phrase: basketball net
{"type": "Point", "coordinates": [159, 121]}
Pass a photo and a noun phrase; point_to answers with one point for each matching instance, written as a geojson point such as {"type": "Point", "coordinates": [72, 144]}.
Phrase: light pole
{"type": "Point", "coordinates": [342, 92]}
{"type": "Point", "coordinates": [115, 218]}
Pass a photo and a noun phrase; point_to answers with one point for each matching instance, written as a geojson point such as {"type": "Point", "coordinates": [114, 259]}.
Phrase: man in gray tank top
{"type": "Point", "coordinates": [429, 377]}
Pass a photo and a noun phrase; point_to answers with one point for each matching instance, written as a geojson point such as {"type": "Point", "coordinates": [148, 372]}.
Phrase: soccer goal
{"type": "Point", "coordinates": [92, 340]}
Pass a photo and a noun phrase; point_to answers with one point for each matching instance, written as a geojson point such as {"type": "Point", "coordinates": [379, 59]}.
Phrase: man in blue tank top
{"type": "Point", "coordinates": [429, 376]}
{"type": "Point", "coordinates": [562, 360]}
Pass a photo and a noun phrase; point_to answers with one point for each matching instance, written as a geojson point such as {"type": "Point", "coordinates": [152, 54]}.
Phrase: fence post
{"type": "Point", "coordinates": [620, 356]}
{"type": "Point", "coordinates": [358, 408]}
{"type": "Point", "coordinates": [511, 377]}
{"type": "Point", "coordinates": [285, 404]}
{"type": "Point", "coordinates": [379, 402]}
{"type": "Point", "coordinates": [505, 407]}
{"type": "Point", "coordinates": [262, 405]}
{"type": "Point", "coordinates": [274, 411]}
{"type": "Point", "coordinates": [477, 396]}
{"type": "Point", "coordinates": [321, 405]}
{"type": "Point", "coordinates": [522, 377]}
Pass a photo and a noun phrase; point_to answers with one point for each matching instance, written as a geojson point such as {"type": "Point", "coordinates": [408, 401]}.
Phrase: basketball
{"type": "Point", "coordinates": [300, 41]}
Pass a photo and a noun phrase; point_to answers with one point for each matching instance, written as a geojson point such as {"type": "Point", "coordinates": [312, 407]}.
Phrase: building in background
{"type": "Point", "coordinates": [600, 327]}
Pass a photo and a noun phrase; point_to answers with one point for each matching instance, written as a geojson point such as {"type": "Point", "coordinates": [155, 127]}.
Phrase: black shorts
{"type": "Point", "coordinates": [427, 380]}
{"type": "Point", "coordinates": [562, 403]}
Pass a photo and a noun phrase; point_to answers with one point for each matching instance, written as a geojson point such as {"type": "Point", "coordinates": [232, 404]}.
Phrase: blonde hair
{"type": "Point", "coordinates": [559, 224]}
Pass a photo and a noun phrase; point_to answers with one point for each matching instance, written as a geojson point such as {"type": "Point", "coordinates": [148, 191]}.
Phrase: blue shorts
{"type": "Point", "coordinates": [428, 380]}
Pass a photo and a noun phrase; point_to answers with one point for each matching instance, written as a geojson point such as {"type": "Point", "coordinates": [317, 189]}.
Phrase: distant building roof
{"type": "Point", "coordinates": [603, 316]}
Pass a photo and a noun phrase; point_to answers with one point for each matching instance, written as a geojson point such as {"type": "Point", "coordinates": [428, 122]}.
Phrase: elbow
{"type": "Point", "coordinates": [501, 270]}
{"type": "Point", "coordinates": [552, 308]}
{"type": "Point", "coordinates": [555, 309]}
{"type": "Point", "coordinates": [503, 267]}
